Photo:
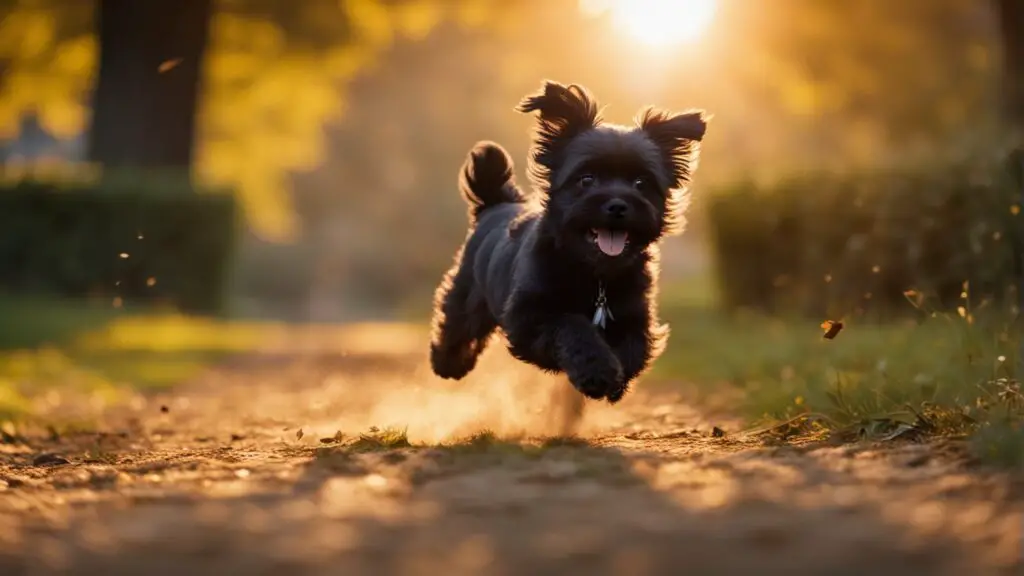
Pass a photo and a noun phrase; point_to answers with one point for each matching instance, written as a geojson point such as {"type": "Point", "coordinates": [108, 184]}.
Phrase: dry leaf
{"type": "Point", "coordinates": [831, 328]}
{"type": "Point", "coordinates": [168, 65]}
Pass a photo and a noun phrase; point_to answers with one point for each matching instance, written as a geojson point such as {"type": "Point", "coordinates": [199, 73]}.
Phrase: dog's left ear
{"type": "Point", "coordinates": [564, 113]}
{"type": "Point", "coordinates": [678, 136]}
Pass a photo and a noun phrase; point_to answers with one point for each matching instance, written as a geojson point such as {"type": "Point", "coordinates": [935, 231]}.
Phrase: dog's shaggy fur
{"type": "Point", "coordinates": [605, 195]}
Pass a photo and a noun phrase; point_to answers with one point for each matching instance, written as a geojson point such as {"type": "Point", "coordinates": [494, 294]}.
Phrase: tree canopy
{"type": "Point", "coordinates": [273, 77]}
{"type": "Point", "coordinates": [854, 77]}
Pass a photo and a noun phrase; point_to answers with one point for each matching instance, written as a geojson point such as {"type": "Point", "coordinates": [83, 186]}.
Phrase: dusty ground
{"type": "Point", "coordinates": [213, 478]}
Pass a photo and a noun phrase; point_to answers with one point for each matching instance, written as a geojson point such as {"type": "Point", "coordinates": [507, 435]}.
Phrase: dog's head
{"type": "Point", "coordinates": [610, 191]}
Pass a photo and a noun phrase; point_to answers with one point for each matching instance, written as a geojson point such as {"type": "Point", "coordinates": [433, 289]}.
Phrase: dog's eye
{"type": "Point", "coordinates": [640, 183]}
{"type": "Point", "coordinates": [587, 180]}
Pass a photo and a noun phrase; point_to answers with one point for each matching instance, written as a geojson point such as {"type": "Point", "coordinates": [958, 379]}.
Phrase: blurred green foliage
{"type": "Point", "coordinates": [830, 244]}
{"type": "Point", "coordinates": [950, 374]}
{"type": "Point", "coordinates": [121, 242]}
{"type": "Point", "coordinates": [274, 76]}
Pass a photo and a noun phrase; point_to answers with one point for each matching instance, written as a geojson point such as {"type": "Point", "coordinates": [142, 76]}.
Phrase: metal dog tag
{"type": "Point", "coordinates": [602, 314]}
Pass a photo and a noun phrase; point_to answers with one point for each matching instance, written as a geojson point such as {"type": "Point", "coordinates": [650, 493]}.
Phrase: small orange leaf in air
{"type": "Point", "coordinates": [831, 328]}
{"type": "Point", "coordinates": [168, 65]}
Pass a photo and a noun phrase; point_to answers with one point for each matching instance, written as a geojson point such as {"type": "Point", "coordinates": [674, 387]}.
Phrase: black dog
{"type": "Point", "coordinates": [570, 279]}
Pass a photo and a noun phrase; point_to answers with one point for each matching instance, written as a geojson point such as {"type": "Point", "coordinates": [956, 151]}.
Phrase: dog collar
{"type": "Point", "coordinates": [602, 314]}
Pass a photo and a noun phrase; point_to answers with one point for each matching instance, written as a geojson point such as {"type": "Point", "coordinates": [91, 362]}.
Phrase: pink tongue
{"type": "Point", "coordinates": [611, 242]}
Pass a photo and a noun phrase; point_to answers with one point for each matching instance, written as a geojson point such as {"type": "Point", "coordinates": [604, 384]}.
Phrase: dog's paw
{"type": "Point", "coordinates": [598, 383]}
{"type": "Point", "coordinates": [617, 393]}
{"type": "Point", "coordinates": [451, 364]}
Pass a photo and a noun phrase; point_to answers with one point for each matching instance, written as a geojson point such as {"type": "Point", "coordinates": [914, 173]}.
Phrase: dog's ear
{"type": "Point", "coordinates": [565, 112]}
{"type": "Point", "coordinates": [678, 136]}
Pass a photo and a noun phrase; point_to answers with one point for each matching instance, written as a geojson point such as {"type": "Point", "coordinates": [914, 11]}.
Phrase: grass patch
{"type": "Point", "coordinates": [52, 347]}
{"type": "Point", "coordinates": [38, 322]}
{"type": "Point", "coordinates": [943, 373]}
{"type": "Point", "coordinates": [377, 440]}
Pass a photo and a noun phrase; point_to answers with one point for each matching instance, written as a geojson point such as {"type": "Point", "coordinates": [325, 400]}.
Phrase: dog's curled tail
{"type": "Point", "coordinates": [487, 179]}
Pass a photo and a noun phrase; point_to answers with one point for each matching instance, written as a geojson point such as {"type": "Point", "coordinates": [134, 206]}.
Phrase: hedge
{"type": "Point", "coordinates": [132, 243]}
{"type": "Point", "coordinates": [830, 244]}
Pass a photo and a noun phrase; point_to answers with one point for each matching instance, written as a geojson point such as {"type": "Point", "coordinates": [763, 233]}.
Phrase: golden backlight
{"type": "Point", "coordinates": [663, 23]}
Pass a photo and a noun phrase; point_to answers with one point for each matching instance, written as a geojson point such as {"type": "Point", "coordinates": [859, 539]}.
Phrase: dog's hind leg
{"type": "Point", "coordinates": [462, 324]}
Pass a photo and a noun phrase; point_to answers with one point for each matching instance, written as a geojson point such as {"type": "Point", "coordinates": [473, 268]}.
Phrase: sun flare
{"type": "Point", "coordinates": [662, 23]}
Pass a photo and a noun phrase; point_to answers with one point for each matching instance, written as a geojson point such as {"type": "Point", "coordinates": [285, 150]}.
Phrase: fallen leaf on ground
{"type": "Point", "coordinates": [49, 460]}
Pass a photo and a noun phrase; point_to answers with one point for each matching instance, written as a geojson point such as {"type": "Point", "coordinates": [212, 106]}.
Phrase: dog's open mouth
{"type": "Point", "coordinates": [611, 242]}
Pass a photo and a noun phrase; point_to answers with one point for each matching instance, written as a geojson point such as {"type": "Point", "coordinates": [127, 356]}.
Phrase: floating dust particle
{"type": "Point", "coordinates": [124, 255]}
{"type": "Point", "coordinates": [299, 434]}
{"type": "Point", "coordinates": [243, 473]}
{"type": "Point", "coordinates": [831, 328]}
{"type": "Point", "coordinates": [876, 269]}
{"type": "Point", "coordinates": [140, 236]}
{"type": "Point", "coordinates": [150, 281]}
{"type": "Point", "coordinates": [1015, 209]}
{"type": "Point", "coordinates": [118, 302]}
{"type": "Point", "coordinates": [168, 65]}
{"type": "Point", "coordinates": [828, 278]}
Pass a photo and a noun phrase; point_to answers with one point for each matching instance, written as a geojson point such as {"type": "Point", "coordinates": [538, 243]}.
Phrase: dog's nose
{"type": "Point", "coordinates": [616, 208]}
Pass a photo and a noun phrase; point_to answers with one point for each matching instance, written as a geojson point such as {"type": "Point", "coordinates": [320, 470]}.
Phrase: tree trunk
{"type": "Point", "coordinates": [1011, 27]}
{"type": "Point", "coordinates": [145, 102]}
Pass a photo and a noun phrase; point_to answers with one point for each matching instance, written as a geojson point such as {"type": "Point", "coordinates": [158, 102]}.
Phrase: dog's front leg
{"type": "Point", "coordinates": [636, 340]}
{"type": "Point", "coordinates": [633, 350]}
{"type": "Point", "coordinates": [565, 343]}
{"type": "Point", "coordinates": [586, 358]}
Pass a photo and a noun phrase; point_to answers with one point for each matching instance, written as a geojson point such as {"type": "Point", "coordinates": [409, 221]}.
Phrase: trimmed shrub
{"type": "Point", "coordinates": [142, 243]}
{"type": "Point", "coordinates": [835, 245]}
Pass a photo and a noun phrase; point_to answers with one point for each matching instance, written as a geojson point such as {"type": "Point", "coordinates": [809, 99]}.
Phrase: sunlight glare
{"type": "Point", "coordinates": [662, 23]}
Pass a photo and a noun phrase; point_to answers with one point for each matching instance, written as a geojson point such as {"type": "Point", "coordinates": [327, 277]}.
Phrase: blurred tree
{"type": "Point", "coordinates": [144, 104]}
{"type": "Point", "coordinates": [891, 74]}
{"type": "Point", "coordinates": [271, 78]}
{"type": "Point", "coordinates": [47, 52]}
{"type": "Point", "coordinates": [1011, 26]}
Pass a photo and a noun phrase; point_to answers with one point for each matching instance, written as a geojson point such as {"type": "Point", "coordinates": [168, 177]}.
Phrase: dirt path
{"type": "Point", "coordinates": [214, 479]}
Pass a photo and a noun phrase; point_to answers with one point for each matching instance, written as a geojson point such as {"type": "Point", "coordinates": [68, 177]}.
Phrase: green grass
{"type": "Point", "coordinates": [948, 373]}
{"type": "Point", "coordinates": [35, 322]}
{"type": "Point", "coordinates": [56, 346]}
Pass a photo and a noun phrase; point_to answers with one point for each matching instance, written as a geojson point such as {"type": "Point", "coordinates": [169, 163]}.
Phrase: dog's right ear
{"type": "Point", "coordinates": [565, 112]}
